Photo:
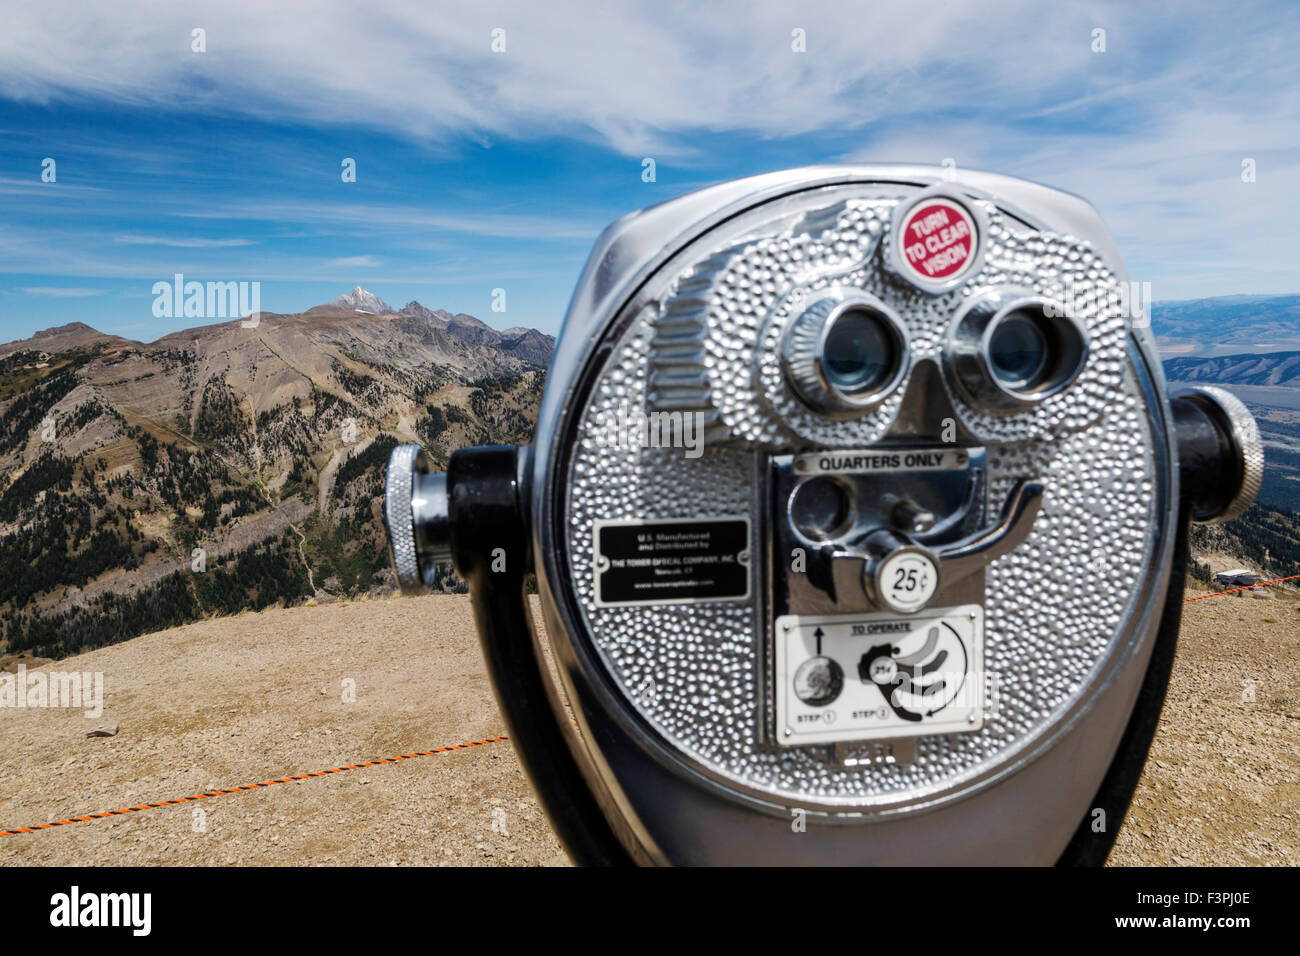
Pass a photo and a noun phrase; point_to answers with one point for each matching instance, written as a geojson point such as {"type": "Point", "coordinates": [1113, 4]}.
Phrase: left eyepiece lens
{"type": "Point", "coordinates": [845, 354]}
{"type": "Point", "coordinates": [860, 353]}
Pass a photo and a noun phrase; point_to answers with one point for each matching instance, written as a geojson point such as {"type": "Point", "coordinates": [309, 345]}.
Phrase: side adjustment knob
{"type": "Point", "coordinates": [1220, 455]}
{"type": "Point", "coordinates": [417, 515]}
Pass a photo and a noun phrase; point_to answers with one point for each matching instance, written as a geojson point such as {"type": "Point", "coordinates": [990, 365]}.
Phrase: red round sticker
{"type": "Point", "coordinates": [937, 240]}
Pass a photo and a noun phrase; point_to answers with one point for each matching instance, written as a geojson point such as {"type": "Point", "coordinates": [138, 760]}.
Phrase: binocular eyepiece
{"type": "Point", "coordinates": [858, 511]}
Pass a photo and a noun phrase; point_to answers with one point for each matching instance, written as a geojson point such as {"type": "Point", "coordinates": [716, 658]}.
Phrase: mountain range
{"type": "Point", "coordinates": [230, 465]}
{"type": "Point", "coordinates": [1227, 324]}
{"type": "Point", "coordinates": [240, 465]}
{"type": "Point", "coordinates": [363, 301]}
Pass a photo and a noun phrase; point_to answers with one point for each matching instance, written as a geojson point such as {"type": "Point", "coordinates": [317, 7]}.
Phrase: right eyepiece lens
{"type": "Point", "coordinates": [1018, 352]}
{"type": "Point", "coordinates": [1010, 351]}
{"type": "Point", "coordinates": [860, 354]}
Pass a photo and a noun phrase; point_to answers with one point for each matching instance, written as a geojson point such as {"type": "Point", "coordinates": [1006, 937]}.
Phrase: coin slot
{"type": "Point", "coordinates": [821, 507]}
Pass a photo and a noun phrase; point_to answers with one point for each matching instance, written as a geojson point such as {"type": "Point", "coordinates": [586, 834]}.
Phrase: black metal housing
{"type": "Point", "coordinates": [490, 550]}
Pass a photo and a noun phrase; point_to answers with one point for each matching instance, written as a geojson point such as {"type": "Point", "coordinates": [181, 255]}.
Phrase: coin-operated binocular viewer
{"type": "Point", "coordinates": [858, 511]}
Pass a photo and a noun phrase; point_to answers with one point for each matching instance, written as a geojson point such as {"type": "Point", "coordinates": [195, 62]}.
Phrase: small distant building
{"type": "Point", "coordinates": [1239, 578]}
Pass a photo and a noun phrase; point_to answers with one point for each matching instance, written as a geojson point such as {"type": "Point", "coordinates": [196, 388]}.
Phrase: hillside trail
{"type": "Point", "coordinates": [256, 697]}
{"type": "Point", "coordinates": [331, 469]}
{"type": "Point", "coordinates": [302, 553]}
{"type": "Point", "coordinates": [302, 538]}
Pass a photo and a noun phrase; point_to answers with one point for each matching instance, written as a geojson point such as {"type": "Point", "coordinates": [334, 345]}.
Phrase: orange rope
{"type": "Point", "coordinates": [1246, 588]}
{"type": "Point", "coordinates": [250, 786]}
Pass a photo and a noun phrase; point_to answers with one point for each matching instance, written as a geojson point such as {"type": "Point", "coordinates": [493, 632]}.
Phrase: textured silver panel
{"type": "Point", "coordinates": [757, 290]}
{"type": "Point", "coordinates": [710, 343]}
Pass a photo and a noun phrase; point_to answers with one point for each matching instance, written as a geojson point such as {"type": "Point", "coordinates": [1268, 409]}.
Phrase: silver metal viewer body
{"type": "Point", "coordinates": [858, 509]}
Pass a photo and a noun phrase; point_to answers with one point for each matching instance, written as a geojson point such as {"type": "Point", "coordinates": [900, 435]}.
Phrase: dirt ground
{"type": "Point", "coordinates": [1222, 781]}
{"type": "Point", "coordinates": [256, 697]}
{"type": "Point", "coordinates": [261, 696]}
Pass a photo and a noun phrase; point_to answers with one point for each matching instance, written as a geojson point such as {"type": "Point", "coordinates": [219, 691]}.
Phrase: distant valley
{"type": "Point", "coordinates": [1273, 369]}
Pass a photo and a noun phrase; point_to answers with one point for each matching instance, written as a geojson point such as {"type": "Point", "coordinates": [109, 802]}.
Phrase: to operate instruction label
{"type": "Point", "coordinates": [880, 676]}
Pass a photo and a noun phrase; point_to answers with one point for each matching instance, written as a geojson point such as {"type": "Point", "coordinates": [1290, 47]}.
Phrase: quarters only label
{"type": "Point", "coordinates": [860, 677]}
{"type": "Point", "coordinates": [671, 561]}
{"type": "Point", "coordinates": [859, 461]}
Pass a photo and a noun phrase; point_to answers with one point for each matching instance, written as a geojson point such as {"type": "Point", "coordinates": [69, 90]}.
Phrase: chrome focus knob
{"type": "Point", "coordinates": [417, 515]}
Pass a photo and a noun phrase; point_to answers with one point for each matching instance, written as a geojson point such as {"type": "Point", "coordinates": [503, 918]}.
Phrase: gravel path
{"type": "Point", "coordinates": [256, 697]}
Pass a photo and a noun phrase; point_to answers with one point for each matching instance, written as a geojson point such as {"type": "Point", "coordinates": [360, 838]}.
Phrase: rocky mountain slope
{"type": "Point", "coordinates": [230, 465]}
{"type": "Point", "coordinates": [1273, 368]}
{"type": "Point", "coordinates": [528, 345]}
{"type": "Point", "coordinates": [234, 466]}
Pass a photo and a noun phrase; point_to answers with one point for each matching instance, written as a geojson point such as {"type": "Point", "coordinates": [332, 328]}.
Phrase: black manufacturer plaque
{"type": "Point", "coordinates": [672, 561]}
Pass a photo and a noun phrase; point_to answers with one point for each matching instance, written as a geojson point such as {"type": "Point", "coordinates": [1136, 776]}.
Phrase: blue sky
{"type": "Point", "coordinates": [479, 170]}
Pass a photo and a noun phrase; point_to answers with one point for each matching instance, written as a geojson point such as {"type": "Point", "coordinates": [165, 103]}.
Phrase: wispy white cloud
{"type": "Point", "coordinates": [1153, 130]}
{"type": "Point", "coordinates": [355, 262]}
{"type": "Point", "coordinates": [1171, 191]}
{"type": "Point", "coordinates": [642, 76]}
{"type": "Point", "coordinates": [59, 292]}
{"type": "Point", "coordinates": [183, 243]}
{"type": "Point", "coordinates": [78, 257]}
{"type": "Point", "coordinates": [479, 222]}
{"type": "Point", "coordinates": [633, 74]}
{"type": "Point", "coordinates": [35, 186]}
